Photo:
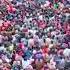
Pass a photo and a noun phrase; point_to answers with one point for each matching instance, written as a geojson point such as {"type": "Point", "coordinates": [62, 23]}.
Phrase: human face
{"type": "Point", "coordinates": [5, 68]}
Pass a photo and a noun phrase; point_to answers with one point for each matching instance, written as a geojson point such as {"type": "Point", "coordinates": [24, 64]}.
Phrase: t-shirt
{"type": "Point", "coordinates": [38, 56]}
{"type": "Point", "coordinates": [56, 5]}
{"type": "Point", "coordinates": [66, 52]}
{"type": "Point", "coordinates": [30, 42]}
{"type": "Point", "coordinates": [1, 38]}
{"type": "Point", "coordinates": [25, 63]}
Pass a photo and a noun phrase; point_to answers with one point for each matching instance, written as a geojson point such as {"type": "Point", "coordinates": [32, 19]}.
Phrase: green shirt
{"type": "Point", "coordinates": [56, 5]}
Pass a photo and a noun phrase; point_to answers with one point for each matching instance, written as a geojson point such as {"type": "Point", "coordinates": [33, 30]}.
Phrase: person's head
{"type": "Point", "coordinates": [68, 32]}
{"type": "Point", "coordinates": [6, 66]}
{"type": "Point", "coordinates": [29, 67]}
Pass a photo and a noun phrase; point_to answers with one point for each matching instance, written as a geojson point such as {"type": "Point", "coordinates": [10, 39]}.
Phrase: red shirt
{"type": "Point", "coordinates": [45, 50]}
{"type": "Point", "coordinates": [21, 45]}
{"type": "Point", "coordinates": [56, 1]}
{"type": "Point", "coordinates": [20, 53]}
{"type": "Point", "coordinates": [41, 24]}
{"type": "Point", "coordinates": [25, 30]}
{"type": "Point", "coordinates": [5, 26]}
{"type": "Point", "coordinates": [10, 8]}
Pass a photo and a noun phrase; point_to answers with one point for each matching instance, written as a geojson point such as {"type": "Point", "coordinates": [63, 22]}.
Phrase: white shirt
{"type": "Point", "coordinates": [40, 17]}
{"type": "Point", "coordinates": [1, 37]}
{"type": "Point", "coordinates": [25, 64]}
{"type": "Point", "coordinates": [30, 42]}
{"type": "Point", "coordinates": [1, 21]}
{"type": "Point", "coordinates": [66, 52]}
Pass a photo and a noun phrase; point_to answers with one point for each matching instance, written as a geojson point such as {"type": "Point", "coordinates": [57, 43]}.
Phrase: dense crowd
{"type": "Point", "coordinates": [34, 35]}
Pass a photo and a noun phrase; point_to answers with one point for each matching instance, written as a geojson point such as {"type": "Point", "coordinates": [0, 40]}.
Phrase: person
{"type": "Point", "coordinates": [34, 35]}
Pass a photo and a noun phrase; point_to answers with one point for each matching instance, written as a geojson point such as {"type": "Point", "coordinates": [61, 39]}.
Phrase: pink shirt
{"type": "Point", "coordinates": [21, 45]}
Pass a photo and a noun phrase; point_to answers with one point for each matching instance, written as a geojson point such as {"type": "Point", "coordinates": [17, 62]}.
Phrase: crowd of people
{"type": "Point", "coordinates": [34, 35]}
